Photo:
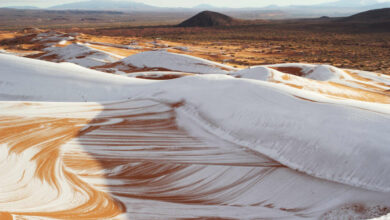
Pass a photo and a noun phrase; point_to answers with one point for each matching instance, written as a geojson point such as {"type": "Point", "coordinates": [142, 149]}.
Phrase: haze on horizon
{"type": "Point", "coordinates": [185, 3]}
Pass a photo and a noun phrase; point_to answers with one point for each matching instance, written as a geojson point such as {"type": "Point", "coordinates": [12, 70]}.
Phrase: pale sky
{"type": "Point", "coordinates": [180, 3]}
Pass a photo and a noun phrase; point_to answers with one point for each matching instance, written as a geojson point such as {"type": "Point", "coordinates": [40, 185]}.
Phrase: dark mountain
{"type": "Point", "coordinates": [377, 15]}
{"type": "Point", "coordinates": [209, 19]}
{"type": "Point", "coordinates": [110, 5]}
{"type": "Point", "coordinates": [372, 21]}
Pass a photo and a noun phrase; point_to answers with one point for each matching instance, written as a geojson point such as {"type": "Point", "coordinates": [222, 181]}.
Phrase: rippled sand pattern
{"type": "Point", "coordinates": [133, 161]}
{"type": "Point", "coordinates": [33, 165]}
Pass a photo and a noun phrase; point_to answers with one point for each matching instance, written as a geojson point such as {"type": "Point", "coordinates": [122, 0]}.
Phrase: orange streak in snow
{"type": "Point", "coordinates": [47, 135]}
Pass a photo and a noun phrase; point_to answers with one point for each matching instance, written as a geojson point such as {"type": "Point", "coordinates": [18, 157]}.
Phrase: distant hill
{"type": "Point", "coordinates": [349, 3]}
{"type": "Point", "coordinates": [377, 15]}
{"type": "Point", "coordinates": [22, 7]}
{"type": "Point", "coordinates": [209, 19]}
{"type": "Point", "coordinates": [339, 8]}
{"type": "Point", "coordinates": [204, 6]}
{"type": "Point", "coordinates": [110, 5]}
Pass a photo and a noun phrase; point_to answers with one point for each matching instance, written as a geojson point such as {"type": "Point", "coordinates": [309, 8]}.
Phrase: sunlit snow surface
{"type": "Point", "coordinates": [290, 141]}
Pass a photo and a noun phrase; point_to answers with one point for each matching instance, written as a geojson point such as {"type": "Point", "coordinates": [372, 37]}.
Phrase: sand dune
{"type": "Point", "coordinates": [79, 54]}
{"type": "Point", "coordinates": [167, 61]}
{"type": "Point", "coordinates": [288, 141]}
{"type": "Point", "coordinates": [134, 160]}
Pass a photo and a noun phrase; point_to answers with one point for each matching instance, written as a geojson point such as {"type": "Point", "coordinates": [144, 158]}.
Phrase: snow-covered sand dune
{"type": "Point", "coordinates": [79, 54]}
{"type": "Point", "coordinates": [167, 61]}
{"type": "Point", "coordinates": [136, 160]}
{"type": "Point", "coordinates": [324, 79]}
{"type": "Point", "coordinates": [201, 146]}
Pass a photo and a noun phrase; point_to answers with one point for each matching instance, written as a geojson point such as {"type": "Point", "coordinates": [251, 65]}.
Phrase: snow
{"type": "Point", "coordinates": [315, 138]}
{"type": "Point", "coordinates": [319, 72]}
{"type": "Point", "coordinates": [175, 62]}
{"type": "Point", "coordinates": [81, 54]}
{"type": "Point", "coordinates": [130, 47]}
{"type": "Point", "coordinates": [375, 79]}
{"type": "Point", "coordinates": [32, 193]}
{"type": "Point", "coordinates": [36, 80]}
{"type": "Point", "coordinates": [181, 48]}
{"type": "Point", "coordinates": [52, 37]}
{"type": "Point", "coordinates": [157, 74]}
{"type": "Point", "coordinates": [324, 79]}
{"type": "Point", "coordinates": [63, 42]}
{"type": "Point", "coordinates": [287, 148]}
{"type": "Point", "coordinates": [4, 51]}
{"type": "Point", "coordinates": [257, 73]}
{"type": "Point", "coordinates": [332, 136]}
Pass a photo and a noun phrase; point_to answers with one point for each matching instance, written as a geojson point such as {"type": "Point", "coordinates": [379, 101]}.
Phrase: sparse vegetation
{"type": "Point", "coordinates": [348, 44]}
